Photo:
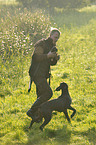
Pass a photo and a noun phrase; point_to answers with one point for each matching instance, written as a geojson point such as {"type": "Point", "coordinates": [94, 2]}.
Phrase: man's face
{"type": "Point", "coordinates": [55, 37]}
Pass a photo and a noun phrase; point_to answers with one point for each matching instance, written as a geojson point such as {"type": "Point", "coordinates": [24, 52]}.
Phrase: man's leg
{"type": "Point", "coordinates": [45, 93]}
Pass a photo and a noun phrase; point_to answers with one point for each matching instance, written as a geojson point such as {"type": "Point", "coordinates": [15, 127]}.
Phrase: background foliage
{"type": "Point", "coordinates": [56, 3]}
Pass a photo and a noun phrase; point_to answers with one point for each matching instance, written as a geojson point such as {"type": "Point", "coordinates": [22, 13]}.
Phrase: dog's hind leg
{"type": "Point", "coordinates": [74, 111]}
{"type": "Point", "coordinates": [66, 115]}
{"type": "Point", "coordinates": [32, 121]}
{"type": "Point", "coordinates": [46, 121]}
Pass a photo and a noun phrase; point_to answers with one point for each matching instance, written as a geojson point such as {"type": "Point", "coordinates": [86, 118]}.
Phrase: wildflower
{"type": "Point", "coordinates": [3, 41]}
{"type": "Point", "coordinates": [24, 40]}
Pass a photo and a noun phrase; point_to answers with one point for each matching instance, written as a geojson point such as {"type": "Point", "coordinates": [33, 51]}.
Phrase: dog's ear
{"type": "Point", "coordinates": [64, 85]}
{"type": "Point", "coordinates": [60, 87]}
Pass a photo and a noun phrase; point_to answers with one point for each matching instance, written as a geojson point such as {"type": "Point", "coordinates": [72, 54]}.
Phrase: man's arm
{"type": "Point", "coordinates": [40, 56]}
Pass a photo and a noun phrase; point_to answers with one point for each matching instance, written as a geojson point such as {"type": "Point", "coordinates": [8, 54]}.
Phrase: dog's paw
{"type": "Point", "coordinates": [69, 122]}
{"type": "Point", "coordinates": [29, 90]}
{"type": "Point", "coordinates": [27, 129]}
{"type": "Point", "coordinates": [41, 128]}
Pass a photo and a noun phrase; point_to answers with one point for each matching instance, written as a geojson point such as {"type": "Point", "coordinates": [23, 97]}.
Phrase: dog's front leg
{"type": "Point", "coordinates": [66, 115]}
{"type": "Point", "coordinates": [46, 121]}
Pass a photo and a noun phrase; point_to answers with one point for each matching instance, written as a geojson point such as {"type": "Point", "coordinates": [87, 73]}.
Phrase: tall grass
{"type": "Point", "coordinates": [77, 49]}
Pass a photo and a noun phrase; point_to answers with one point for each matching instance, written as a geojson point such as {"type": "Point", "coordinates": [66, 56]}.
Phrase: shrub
{"type": "Point", "coordinates": [20, 32]}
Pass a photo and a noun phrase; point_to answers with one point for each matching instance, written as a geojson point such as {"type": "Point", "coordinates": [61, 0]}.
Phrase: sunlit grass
{"type": "Point", "coordinates": [91, 8]}
{"type": "Point", "coordinates": [7, 2]}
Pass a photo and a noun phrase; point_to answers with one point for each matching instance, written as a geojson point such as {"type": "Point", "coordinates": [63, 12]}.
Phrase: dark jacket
{"type": "Point", "coordinates": [40, 64]}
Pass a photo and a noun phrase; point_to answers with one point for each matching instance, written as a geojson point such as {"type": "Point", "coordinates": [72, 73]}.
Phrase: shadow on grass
{"type": "Point", "coordinates": [49, 136]}
{"type": "Point", "coordinates": [3, 93]}
{"type": "Point", "coordinates": [60, 135]}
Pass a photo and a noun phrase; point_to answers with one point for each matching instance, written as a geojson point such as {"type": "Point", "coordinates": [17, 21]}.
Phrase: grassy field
{"type": "Point", "coordinates": [76, 67]}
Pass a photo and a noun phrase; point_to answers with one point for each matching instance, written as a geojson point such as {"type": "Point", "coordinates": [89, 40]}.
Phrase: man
{"type": "Point", "coordinates": [43, 57]}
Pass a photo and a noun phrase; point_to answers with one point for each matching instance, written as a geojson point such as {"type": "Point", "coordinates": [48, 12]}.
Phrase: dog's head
{"type": "Point", "coordinates": [63, 86]}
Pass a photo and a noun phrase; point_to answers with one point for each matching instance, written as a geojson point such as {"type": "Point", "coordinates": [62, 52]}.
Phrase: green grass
{"type": "Point", "coordinates": [77, 67]}
{"type": "Point", "coordinates": [89, 9]}
{"type": "Point", "coordinates": [74, 18]}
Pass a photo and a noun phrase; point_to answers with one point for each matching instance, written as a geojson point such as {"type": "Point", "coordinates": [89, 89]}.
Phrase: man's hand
{"type": "Point", "coordinates": [51, 54]}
